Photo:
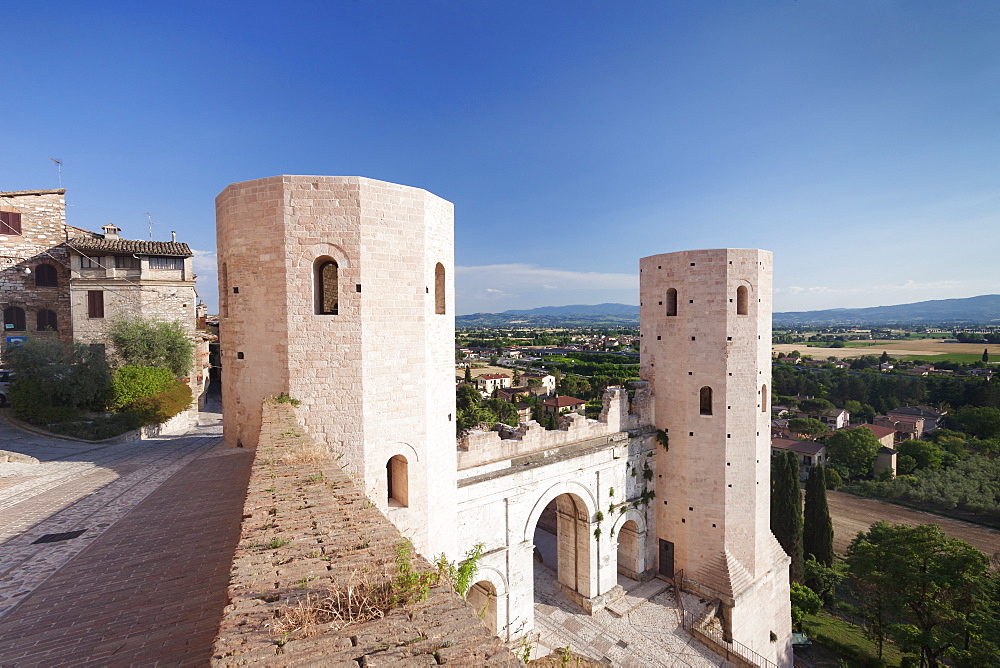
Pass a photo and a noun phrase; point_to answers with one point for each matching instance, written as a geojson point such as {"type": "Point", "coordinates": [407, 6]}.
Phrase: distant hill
{"type": "Point", "coordinates": [980, 310]}
{"type": "Point", "coordinates": [577, 315]}
{"type": "Point", "coordinates": [580, 309]}
{"type": "Point", "coordinates": [984, 309]}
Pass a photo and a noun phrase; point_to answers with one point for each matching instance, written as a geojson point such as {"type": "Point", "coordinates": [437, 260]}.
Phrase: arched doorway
{"type": "Point", "coordinates": [483, 597]}
{"type": "Point", "coordinates": [563, 540]}
{"type": "Point", "coordinates": [628, 550]}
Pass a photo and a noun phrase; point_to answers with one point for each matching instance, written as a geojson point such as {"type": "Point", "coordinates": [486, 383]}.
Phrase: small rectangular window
{"type": "Point", "coordinates": [128, 262]}
{"type": "Point", "coordinates": [95, 303]}
{"type": "Point", "coordinates": [166, 263]}
{"type": "Point", "coordinates": [10, 222]}
{"type": "Point", "coordinates": [89, 262]}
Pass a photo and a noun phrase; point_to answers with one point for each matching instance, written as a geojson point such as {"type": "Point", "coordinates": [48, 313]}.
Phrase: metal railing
{"type": "Point", "coordinates": [732, 650]}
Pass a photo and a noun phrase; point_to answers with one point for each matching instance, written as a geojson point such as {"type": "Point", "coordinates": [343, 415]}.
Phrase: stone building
{"type": "Point", "coordinates": [339, 292]}
{"type": "Point", "coordinates": [34, 265]}
{"type": "Point", "coordinates": [61, 281]}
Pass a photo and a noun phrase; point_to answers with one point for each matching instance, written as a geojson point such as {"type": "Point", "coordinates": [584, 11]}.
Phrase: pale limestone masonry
{"type": "Point", "coordinates": [706, 332]}
{"type": "Point", "coordinates": [308, 529]}
{"type": "Point", "coordinates": [373, 364]}
{"type": "Point", "coordinates": [376, 379]}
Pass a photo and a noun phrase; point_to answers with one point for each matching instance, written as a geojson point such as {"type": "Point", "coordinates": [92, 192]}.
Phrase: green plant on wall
{"type": "Point", "coordinates": [663, 439]}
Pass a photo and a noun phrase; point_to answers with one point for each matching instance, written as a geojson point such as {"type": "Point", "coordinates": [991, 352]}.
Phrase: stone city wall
{"type": "Point", "coordinates": [307, 531]}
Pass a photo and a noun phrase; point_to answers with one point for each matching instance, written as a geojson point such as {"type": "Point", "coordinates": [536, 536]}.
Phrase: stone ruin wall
{"type": "Point", "coordinates": [477, 448]}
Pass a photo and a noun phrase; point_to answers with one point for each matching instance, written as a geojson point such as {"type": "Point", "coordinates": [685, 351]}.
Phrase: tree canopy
{"type": "Point", "coordinates": [930, 593]}
{"type": "Point", "coordinates": [856, 449]}
{"type": "Point", "coordinates": [140, 342]}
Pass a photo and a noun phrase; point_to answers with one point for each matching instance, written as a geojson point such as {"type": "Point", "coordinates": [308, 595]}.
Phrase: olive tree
{"type": "Point", "coordinates": [141, 342]}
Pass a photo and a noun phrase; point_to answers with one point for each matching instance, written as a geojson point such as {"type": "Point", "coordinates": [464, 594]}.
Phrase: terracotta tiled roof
{"type": "Point", "coordinates": [880, 432]}
{"type": "Point", "coordinates": [563, 402]}
{"type": "Point", "coordinates": [171, 248]}
{"type": "Point", "coordinates": [493, 376]}
{"type": "Point", "coordinates": [801, 447]}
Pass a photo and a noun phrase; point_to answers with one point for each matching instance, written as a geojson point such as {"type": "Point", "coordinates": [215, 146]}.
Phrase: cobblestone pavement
{"type": "Point", "coordinates": [146, 581]}
{"type": "Point", "coordinates": [648, 632]}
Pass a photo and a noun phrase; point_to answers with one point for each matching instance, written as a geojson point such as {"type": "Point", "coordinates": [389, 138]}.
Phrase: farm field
{"type": "Point", "coordinates": [922, 349]}
{"type": "Point", "coordinates": [851, 514]}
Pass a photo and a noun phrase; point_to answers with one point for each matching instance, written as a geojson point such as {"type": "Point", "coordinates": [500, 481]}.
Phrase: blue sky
{"type": "Point", "coordinates": [859, 141]}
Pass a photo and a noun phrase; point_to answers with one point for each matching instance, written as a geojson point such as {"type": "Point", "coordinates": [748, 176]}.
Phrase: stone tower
{"type": "Point", "coordinates": [338, 291]}
{"type": "Point", "coordinates": [706, 350]}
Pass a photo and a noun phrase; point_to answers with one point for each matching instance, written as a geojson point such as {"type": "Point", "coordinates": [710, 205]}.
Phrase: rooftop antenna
{"type": "Point", "coordinates": [150, 219]}
{"type": "Point", "coordinates": [58, 169]}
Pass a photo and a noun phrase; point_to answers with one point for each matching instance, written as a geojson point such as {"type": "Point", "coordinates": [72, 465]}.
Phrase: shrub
{"type": "Point", "coordinates": [164, 405]}
{"type": "Point", "coordinates": [131, 383]}
{"type": "Point", "coordinates": [50, 374]}
{"type": "Point", "coordinates": [98, 428]}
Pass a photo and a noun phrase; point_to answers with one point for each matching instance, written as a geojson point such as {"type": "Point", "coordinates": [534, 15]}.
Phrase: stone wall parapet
{"type": "Point", "coordinates": [308, 530]}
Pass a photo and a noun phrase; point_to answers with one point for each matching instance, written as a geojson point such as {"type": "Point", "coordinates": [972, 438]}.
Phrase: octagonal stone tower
{"type": "Point", "coordinates": [706, 350]}
{"type": "Point", "coordinates": [338, 291]}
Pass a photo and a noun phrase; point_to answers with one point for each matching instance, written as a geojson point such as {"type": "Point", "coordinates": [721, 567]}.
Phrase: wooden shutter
{"type": "Point", "coordinates": [10, 222]}
{"type": "Point", "coordinates": [95, 303]}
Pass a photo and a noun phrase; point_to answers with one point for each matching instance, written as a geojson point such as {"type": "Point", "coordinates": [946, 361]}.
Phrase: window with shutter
{"type": "Point", "coordinates": [10, 222]}
{"type": "Point", "coordinates": [95, 303]}
{"type": "Point", "coordinates": [13, 319]}
{"type": "Point", "coordinates": [45, 276]}
{"type": "Point", "coordinates": [47, 320]}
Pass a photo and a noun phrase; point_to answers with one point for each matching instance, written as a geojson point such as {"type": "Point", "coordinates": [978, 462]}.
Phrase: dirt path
{"type": "Point", "coordinates": [852, 514]}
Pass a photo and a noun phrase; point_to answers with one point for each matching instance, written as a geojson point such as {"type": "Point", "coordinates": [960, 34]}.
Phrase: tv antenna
{"type": "Point", "coordinates": [58, 169]}
{"type": "Point", "coordinates": [149, 218]}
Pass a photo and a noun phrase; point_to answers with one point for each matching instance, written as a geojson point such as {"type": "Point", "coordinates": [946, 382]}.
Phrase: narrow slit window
{"type": "Point", "coordinates": [439, 300]}
{"type": "Point", "coordinates": [763, 398]}
{"type": "Point", "coordinates": [741, 300]}
{"type": "Point", "coordinates": [327, 295]}
{"type": "Point", "coordinates": [671, 301]}
{"type": "Point", "coordinates": [705, 400]}
{"type": "Point", "coordinates": [224, 291]}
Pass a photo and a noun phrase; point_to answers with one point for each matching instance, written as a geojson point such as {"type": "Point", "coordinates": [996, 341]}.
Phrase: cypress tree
{"type": "Point", "coordinates": [786, 509]}
{"type": "Point", "coordinates": [817, 533]}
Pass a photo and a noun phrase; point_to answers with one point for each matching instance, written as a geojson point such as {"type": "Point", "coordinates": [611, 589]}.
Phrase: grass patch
{"type": "Point", "coordinates": [848, 639]}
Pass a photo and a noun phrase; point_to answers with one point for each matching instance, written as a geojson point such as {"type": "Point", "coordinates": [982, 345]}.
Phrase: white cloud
{"type": "Point", "coordinates": [908, 285]}
{"type": "Point", "coordinates": [204, 261]}
{"type": "Point", "coordinates": [494, 287]}
{"type": "Point", "coordinates": [529, 276]}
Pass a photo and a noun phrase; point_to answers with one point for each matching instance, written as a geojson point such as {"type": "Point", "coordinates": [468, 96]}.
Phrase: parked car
{"type": "Point", "coordinates": [5, 379]}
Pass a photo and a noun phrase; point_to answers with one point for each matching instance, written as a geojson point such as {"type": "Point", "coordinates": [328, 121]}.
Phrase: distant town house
{"type": "Point", "coordinates": [837, 418]}
{"type": "Point", "coordinates": [906, 426]}
{"type": "Point", "coordinates": [559, 405]}
{"type": "Point", "coordinates": [546, 383]}
{"type": "Point", "coordinates": [488, 382]}
{"type": "Point", "coordinates": [809, 453]}
{"type": "Point", "coordinates": [887, 436]}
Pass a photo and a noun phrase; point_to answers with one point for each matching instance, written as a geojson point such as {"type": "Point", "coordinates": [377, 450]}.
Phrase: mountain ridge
{"type": "Point", "coordinates": [978, 309]}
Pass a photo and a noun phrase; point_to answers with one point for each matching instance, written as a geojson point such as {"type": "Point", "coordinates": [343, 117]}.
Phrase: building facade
{"type": "Point", "coordinates": [62, 282]}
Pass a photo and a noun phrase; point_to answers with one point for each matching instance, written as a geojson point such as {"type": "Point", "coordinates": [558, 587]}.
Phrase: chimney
{"type": "Point", "coordinates": [173, 237]}
{"type": "Point", "coordinates": [111, 231]}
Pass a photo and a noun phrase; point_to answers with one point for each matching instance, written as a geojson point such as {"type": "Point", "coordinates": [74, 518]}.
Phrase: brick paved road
{"type": "Point", "coordinates": [146, 583]}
